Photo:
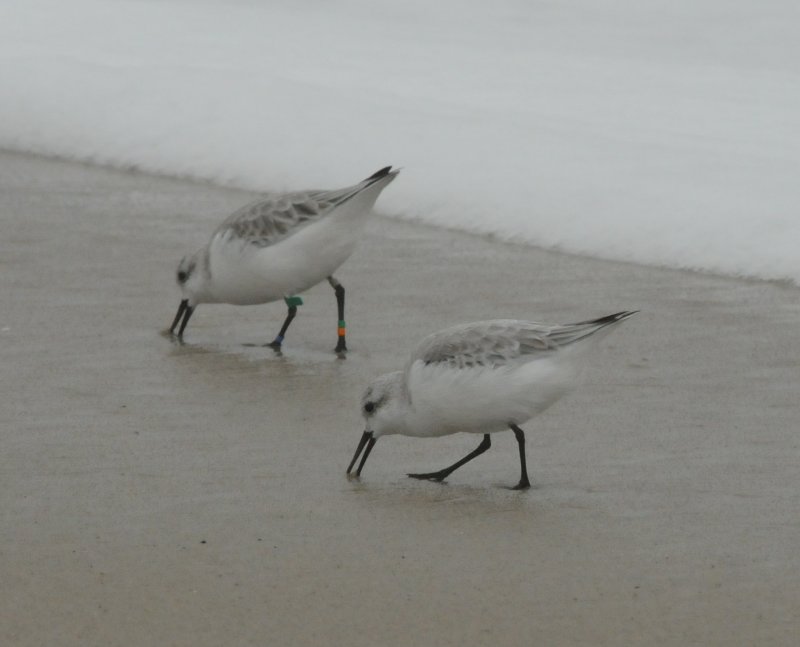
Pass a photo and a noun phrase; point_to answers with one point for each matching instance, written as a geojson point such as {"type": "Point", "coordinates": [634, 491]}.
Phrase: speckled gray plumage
{"type": "Point", "coordinates": [503, 342]}
{"type": "Point", "coordinates": [275, 216]}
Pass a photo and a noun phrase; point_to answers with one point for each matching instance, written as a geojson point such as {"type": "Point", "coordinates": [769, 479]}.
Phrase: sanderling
{"type": "Point", "coordinates": [481, 377]}
{"type": "Point", "coordinates": [278, 247]}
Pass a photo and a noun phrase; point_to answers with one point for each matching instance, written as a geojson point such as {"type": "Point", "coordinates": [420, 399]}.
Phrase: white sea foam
{"type": "Point", "coordinates": [660, 132]}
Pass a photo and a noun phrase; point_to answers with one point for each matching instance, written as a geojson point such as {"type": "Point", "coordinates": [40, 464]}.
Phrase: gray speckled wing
{"type": "Point", "coordinates": [279, 215]}
{"type": "Point", "coordinates": [502, 342]}
{"type": "Point", "coordinates": [485, 343]}
{"type": "Point", "coordinates": [276, 216]}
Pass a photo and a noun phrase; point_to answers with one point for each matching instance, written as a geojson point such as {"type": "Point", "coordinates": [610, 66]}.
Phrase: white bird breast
{"type": "Point", "coordinates": [244, 274]}
{"type": "Point", "coordinates": [481, 399]}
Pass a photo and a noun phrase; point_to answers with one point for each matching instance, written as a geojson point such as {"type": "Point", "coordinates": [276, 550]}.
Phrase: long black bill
{"type": "Point", "coordinates": [366, 441]}
{"type": "Point", "coordinates": [181, 308]}
{"type": "Point", "coordinates": [185, 311]}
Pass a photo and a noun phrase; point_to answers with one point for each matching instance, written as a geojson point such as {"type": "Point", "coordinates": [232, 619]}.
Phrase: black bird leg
{"type": "Point", "coordinates": [338, 288]}
{"type": "Point", "coordinates": [276, 343]}
{"type": "Point", "coordinates": [524, 483]}
{"type": "Point", "coordinates": [441, 475]}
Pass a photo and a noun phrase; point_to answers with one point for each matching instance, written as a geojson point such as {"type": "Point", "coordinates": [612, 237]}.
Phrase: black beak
{"type": "Point", "coordinates": [185, 311]}
{"type": "Point", "coordinates": [366, 441]}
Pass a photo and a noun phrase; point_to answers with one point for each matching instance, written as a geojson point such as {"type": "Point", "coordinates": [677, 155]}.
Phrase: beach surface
{"type": "Point", "coordinates": [153, 493]}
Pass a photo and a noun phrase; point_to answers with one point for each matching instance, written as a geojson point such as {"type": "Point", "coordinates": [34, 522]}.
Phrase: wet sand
{"type": "Point", "coordinates": [158, 494]}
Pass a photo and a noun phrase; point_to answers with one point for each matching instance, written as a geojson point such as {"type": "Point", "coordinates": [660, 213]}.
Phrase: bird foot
{"type": "Point", "coordinates": [522, 485]}
{"type": "Point", "coordinates": [432, 476]}
{"type": "Point", "coordinates": [341, 347]}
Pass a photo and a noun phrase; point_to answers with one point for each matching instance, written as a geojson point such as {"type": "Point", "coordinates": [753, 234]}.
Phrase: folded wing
{"type": "Point", "coordinates": [503, 342]}
{"type": "Point", "coordinates": [276, 216]}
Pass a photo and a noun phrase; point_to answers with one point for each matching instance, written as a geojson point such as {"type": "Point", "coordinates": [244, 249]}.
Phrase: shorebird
{"type": "Point", "coordinates": [480, 378]}
{"type": "Point", "coordinates": [278, 247]}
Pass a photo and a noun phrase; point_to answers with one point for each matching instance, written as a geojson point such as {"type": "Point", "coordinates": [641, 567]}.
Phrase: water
{"type": "Point", "coordinates": [661, 133]}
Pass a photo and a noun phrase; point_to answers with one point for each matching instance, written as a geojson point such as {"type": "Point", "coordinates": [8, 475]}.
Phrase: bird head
{"type": "Point", "coordinates": [189, 277]}
{"type": "Point", "coordinates": [382, 406]}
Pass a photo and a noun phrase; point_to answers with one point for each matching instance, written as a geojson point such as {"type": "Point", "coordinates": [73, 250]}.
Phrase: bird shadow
{"type": "Point", "coordinates": [468, 499]}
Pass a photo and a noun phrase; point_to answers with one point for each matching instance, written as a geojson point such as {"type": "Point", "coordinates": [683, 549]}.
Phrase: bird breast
{"type": "Point", "coordinates": [483, 399]}
{"type": "Point", "coordinates": [245, 274]}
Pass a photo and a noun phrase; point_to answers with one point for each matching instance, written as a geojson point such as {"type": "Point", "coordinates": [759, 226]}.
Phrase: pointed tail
{"type": "Point", "coordinates": [571, 333]}
{"type": "Point", "coordinates": [367, 191]}
{"type": "Point", "coordinates": [382, 173]}
{"type": "Point", "coordinates": [608, 319]}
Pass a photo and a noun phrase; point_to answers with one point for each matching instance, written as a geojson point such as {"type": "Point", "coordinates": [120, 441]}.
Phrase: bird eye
{"type": "Point", "coordinates": [182, 276]}
{"type": "Point", "coordinates": [369, 407]}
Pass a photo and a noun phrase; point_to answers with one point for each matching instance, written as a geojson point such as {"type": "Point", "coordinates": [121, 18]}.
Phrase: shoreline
{"type": "Point", "coordinates": [137, 171]}
{"type": "Point", "coordinates": [154, 493]}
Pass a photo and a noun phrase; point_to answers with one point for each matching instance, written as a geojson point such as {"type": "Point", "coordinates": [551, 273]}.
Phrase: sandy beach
{"type": "Point", "coordinates": [194, 495]}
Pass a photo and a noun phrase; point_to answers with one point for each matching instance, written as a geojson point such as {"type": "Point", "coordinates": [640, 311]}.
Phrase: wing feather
{"type": "Point", "coordinates": [275, 216]}
{"type": "Point", "coordinates": [503, 342]}
{"type": "Point", "coordinates": [485, 343]}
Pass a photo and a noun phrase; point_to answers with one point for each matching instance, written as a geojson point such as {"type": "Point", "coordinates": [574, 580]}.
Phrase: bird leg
{"type": "Point", "coordinates": [524, 483]}
{"type": "Point", "coordinates": [441, 475]}
{"type": "Point", "coordinates": [292, 302]}
{"type": "Point", "coordinates": [338, 288]}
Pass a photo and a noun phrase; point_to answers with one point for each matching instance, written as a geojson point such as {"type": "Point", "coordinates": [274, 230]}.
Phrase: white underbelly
{"type": "Point", "coordinates": [483, 400]}
{"type": "Point", "coordinates": [247, 275]}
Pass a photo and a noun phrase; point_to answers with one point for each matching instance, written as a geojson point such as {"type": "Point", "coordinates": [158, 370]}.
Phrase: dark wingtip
{"type": "Point", "coordinates": [609, 319]}
{"type": "Point", "coordinates": [379, 174]}
{"type": "Point", "coordinates": [617, 316]}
